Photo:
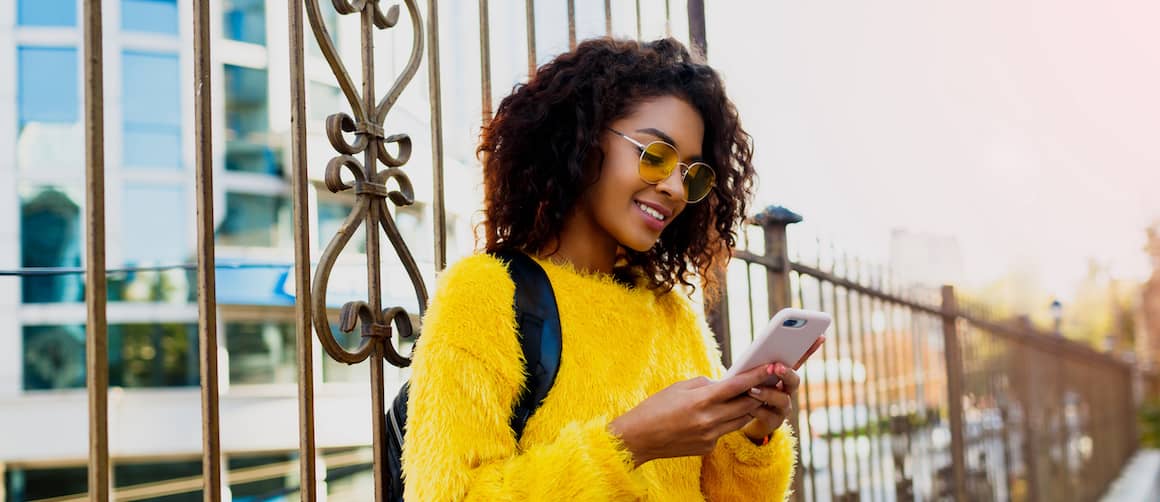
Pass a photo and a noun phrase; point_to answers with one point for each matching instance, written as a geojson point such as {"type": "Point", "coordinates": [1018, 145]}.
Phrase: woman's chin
{"type": "Point", "coordinates": [640, 244]}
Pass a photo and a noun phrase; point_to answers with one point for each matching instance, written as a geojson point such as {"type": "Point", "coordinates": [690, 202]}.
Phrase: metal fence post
{"type": "Point", "coordinates": [773, 222]}
{"type": "Point", "coordinates": [954, 368]}
{"type": "Point", "coordinates": [717, 316]}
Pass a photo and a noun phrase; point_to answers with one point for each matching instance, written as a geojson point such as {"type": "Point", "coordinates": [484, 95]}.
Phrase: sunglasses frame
{"type": "Point", "coordinates": [684, 168]}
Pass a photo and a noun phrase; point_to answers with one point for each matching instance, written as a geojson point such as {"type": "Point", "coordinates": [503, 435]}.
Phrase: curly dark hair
{"type": "Point", "coordinates": [539, 152]}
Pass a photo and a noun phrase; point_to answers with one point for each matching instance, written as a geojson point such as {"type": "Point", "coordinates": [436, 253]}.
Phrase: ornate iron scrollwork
{"type": "Point", "coordinates": [370, 186]}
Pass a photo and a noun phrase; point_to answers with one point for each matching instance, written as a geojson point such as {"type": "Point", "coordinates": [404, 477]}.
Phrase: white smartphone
{"type": "Point", "coordinates": [785, 339]}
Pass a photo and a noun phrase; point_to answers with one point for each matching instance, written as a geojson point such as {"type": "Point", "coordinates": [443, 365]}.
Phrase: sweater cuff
{"type": "Point", "coordinates": [747, 453]}
{"type": "Point", "coordinates": [605, 450]}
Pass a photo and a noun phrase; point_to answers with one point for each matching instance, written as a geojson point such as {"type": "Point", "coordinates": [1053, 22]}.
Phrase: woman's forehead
{"type": "Point", "coordinates": [669, 119]}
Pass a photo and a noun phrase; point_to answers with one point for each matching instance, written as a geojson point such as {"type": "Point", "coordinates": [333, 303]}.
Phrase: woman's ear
{"type": "Point", "coordinates": [593, 165]}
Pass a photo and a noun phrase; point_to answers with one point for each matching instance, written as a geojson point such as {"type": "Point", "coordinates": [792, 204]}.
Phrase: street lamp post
{"type": "Point", "coordinates": [1057, 315]}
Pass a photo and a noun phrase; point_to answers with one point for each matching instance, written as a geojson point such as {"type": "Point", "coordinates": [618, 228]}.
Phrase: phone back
{"type": "Point", "coordinates": [785, 339]}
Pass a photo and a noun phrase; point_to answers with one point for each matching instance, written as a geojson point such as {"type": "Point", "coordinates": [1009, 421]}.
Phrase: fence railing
{"type": "Point", "coordinates": [369, 161]}
{"type": "Point", "coordinates": [922, 398]}
{"type": "Point", "coordinates": [909, 399]}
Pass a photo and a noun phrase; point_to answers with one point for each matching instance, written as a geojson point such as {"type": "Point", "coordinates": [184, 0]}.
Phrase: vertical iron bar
{"type": "Point", "coordinates": [873, 306]}
{"type": "Point", "coordinates": [376, 212]}
{"type": "Point", "coordinates": [860, 339]}
{"type": "Point", "coordinates": [608, 17]}
{"type": "Point", "coordinates": [696, 14]}
{"type": "Point", "coordinates": [899, 425]}
{"type": "Point", "coordinates": [807, 407]}
{"type": "Point", "coordinates": [853, 388]}
{"type": "Point", "coordinates": [639, 32]}
{"type": "Point", "coordinates": [484, 60]}
{"type": "Point", "coordinates": [668, 18]}
{"type": "Point", "coordinates": [299, 181]}
{"type": "Point", "coordinates": [571, 24]}
{"type": "Point", "coordinates": [206, 288]}
{"type": "Point", "coordinates": [435, 96]}
{"type": "Point", "coordinates": [530, 22]}
{"type": "Point", "coordinates": [954, 365]}
{"type": "Point", "coordinates": [749, 290]}
{"type": "Point", "coordinates": [717, 316]}
{"type": "Point", "coordinates": [96, 326]}
{"type": "Point", "coordinates": [839, 341]}
{"type": "Point", "coordinates": [779, 292]}
{"type": "Point", "coordinates": [827, 360]}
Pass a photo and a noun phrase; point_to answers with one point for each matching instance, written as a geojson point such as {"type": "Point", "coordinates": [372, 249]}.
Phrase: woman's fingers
{"type": "Point", "coordinates": [769, 417]}
{"type": "Point", "coordinates": [732, 387]}
{"type": "Point", "coordinates": [789, 379]}
{"type": "Point", "coordinates": [772, 399]}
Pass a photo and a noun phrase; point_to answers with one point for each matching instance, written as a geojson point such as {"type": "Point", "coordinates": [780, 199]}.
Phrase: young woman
{"type": "Point", "coordinates": [622, 169]}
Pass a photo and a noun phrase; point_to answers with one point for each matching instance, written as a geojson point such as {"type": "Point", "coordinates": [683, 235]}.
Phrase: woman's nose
{"type": "Point", "coordinates": [674, 185]}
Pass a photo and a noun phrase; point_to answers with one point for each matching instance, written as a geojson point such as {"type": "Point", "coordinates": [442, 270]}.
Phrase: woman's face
{"type": "Point", "coordinates": [620, 203]}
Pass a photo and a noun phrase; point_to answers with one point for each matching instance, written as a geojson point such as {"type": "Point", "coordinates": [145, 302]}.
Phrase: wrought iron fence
{"type": "Point", "coordinates": [916, 397]}
{"type": "Point", "coordinates": [910, 398]}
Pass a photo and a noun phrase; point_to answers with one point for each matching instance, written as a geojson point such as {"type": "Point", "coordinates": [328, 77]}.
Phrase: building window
{"type": "Point", "coordinates": [140, 355]}
{"type": "Point", "coordinates": [46, 13]}
{"type": "Point", "coordinates": [151, 88]}
{"type": "Point", "coordinates": [155, 16]}
{"type": "Point", "coordinates": [248, 141]}
{"type": "Point", "coordinates": [254, 220]}
{"type": "Point", "coordinates": [48, 104]}
{"type": "Point", "coordinates": [127, 473]}
{"type": "Point", "coordinates": [36, 484]}
{"type": "Point", "coordinates": [273, 487]}
{"type": "Point", "coordinates": [54, 357]}
{"type": "Point", "coordinates": [51, 237]}
{"type": "Point", "coordinates": [245, 20]}
{"type": "Point", "coordinates": [154, 229]}
{"type": "Point", "coordinates": [153, 355]}
{"type": "Point", "coordinates": [261, 352]}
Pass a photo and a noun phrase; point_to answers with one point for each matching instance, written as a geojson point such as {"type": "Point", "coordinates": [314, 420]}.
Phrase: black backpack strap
{"type": "Point", "coordinates": [539, 330]}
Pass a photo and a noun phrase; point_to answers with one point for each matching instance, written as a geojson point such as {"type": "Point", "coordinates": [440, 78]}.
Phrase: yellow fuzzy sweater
{"type": "Point", "coordinates": [620, 345]}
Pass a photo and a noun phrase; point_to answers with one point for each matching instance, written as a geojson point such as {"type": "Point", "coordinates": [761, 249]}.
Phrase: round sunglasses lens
{"type": "Point", "coordinates": [698, 181]}
{"type": "Point", "coordinates": [657, 162]}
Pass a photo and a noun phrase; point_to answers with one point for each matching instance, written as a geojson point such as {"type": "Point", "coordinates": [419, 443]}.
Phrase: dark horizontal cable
{"type": "Point", "coordinates": [47, 271]}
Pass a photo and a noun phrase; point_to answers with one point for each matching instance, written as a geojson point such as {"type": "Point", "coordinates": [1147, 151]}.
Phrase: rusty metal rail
{"type": "Point", "coordinates": [913, 401]}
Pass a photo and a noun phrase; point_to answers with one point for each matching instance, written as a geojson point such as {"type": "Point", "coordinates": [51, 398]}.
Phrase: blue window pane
{"type": "Point", "coordinates": [153, 355]}
{"type": "Point", "coordinates": [50, 237]}
{"type": "Point", "coordinates": [261, 352]}
{"type": "Point", "coordinates": [155, 224]}
{"type": "Point", "coordinates": [140, 355]}
{"type": "Point", "coordinates": [152, 116]}
{"type": "Point", "coordinates": [48, 86]}
{"type": "Point", "coordinates": [154, 231]}
{"type": "Point", "coordinates": [46, 13]}
{"type": "Point", "coordinates": [157, 16]}
{"type": "Point", "coordinates": [54, 357]}
{"type": "Point", "coordinates": [253, 220]}
{"type": "Point", "coordinates": [245, 20]}
{"type": "Point", "coordinates": [248, 139]}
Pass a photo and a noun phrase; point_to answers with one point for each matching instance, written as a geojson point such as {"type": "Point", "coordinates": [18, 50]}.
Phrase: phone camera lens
{"type": "Point", "coordinates": [790, 323]}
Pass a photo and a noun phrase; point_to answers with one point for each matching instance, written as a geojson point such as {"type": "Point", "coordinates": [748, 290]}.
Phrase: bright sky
{"type": "Point", "coordinates": [1027, 129]}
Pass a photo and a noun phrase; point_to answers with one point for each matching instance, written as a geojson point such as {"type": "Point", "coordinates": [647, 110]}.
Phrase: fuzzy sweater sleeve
{"type": "Point", "coordinates": [467, 374]}
{"type": "Point", "coordinates": [737, 469]}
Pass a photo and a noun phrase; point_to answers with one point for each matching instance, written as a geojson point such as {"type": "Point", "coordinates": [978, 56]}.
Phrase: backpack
{"type": "Point", "coordinates": [539, 334]}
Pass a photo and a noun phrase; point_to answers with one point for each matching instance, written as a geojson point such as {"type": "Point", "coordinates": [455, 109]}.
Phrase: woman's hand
{"type": "Point", "coordinates": [688, 417]}
{"type": "Point", "coordinates": [776, 402]}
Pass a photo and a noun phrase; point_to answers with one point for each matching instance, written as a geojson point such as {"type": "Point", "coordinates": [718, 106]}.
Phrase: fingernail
{"type": "Point", "coordinates": [755, 391]}
{"type": "Point", "coordinates": [779, 369]}
{"type": "Point", "coordinates": [769, 370]}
